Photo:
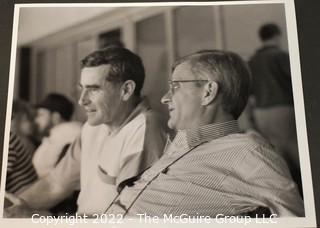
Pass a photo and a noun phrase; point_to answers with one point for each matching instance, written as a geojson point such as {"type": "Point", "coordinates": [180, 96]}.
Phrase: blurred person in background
{"type": "Point", "coordinates": [54, 124]}
{"type": "Point", "coordinates": [53, 121]}
{"type": "Point", "coordinates": [22, 144]}
{"type": "Point", "coordinates": [20, 171]}
{"type": "Point", "coordinates": [22, 123]}
{"type": "Point", "coordinates": [273, 111]}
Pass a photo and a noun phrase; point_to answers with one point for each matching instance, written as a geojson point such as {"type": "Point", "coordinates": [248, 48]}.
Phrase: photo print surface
{"type": "Point", "coordinates": [48, 72]}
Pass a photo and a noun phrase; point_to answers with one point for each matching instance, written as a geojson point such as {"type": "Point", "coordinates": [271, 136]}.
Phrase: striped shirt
{"type": "Point", "coordinates": [20, 171]}
{"type": "Point", "coordinates": [213, 170]}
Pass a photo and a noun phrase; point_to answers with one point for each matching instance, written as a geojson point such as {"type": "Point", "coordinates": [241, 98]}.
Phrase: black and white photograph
{"type": "Point", "coordinates": [167, 114]}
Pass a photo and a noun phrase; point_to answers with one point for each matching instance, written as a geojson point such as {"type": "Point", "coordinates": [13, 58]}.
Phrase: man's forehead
{"type": "Point", "coordinates": [182, 71]}
{"type": "Point", "coordinates": [104, 68]}
{"type": "Point", "coordinates": [94, 75]}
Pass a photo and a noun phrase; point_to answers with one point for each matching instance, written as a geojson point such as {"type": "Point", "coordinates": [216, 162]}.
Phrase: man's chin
{"type": "Point", "coordinates": [171, 125]}
{"type": "Point", "coordinates": [44, 132]}
{"type": "Point", "coordinates": [93, 122]}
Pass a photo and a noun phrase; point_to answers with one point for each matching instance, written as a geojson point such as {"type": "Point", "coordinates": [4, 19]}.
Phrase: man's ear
{"type": "Point", "coordinates": [127, 89]}
{"type": "Point", "coordinates": [210, 92]}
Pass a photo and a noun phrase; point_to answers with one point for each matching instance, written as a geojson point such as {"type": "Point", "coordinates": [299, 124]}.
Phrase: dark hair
{"type": "Point", "coordinates": [125, 65]}
{"type": "Point", "coordinates": [268, 31]}
{"type": "Point", "coordinates": [55, 102]}
{"type": "Point", "coordinates": [229, 71]}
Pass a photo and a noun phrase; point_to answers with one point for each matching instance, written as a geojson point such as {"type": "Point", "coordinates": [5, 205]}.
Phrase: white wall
{"type": "Point", "coordinates": [38, 22]}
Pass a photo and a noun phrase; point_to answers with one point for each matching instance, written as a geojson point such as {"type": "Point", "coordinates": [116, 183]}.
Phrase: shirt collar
{"type": "Point", "coordinates": [189, 138]}
{"type": "Point", "coordinates": [265, 47]}
{"type": "Point", "coordinates": [141, 107]}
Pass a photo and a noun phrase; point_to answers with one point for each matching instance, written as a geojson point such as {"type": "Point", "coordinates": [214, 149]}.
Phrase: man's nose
{"type": "Point", "coordinates": [83, 99]}
{"type": "Point", "coordinates": [166, 98]}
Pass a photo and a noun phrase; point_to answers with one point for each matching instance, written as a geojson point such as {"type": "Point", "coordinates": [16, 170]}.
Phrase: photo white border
{"type": "Point", "coordinates": [310, 217]}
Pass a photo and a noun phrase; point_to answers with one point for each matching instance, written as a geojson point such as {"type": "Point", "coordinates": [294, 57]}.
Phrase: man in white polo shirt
{"type": "Point", "coordinates": [121, 131]}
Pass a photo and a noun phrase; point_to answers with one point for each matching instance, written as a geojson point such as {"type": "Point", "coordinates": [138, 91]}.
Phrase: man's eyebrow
{"type": "Point", "coordinates": [93, 86]}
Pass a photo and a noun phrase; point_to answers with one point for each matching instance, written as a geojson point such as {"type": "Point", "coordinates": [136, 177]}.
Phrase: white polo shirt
{"type": "Point", "coordinates": [107, 159]}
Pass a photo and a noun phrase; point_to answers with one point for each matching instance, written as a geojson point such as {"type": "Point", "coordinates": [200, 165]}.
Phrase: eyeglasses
{"type": "Point", "coordinates": [174, 84]}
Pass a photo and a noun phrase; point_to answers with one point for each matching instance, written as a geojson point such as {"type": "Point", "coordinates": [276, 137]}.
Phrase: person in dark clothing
{"type": "Point", "coordinates": [271, 70]}
{"type": "Point", "coordinates": [272, 91]}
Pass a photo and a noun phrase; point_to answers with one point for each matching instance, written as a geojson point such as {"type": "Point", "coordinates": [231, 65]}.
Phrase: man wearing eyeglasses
{"type": "Point", "coordinates": [121, 138]}
{"type": "Point", "coordinates": [211, 168]}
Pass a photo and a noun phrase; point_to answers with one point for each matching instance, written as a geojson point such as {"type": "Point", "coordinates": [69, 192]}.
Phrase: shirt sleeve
{"type": "Point", "coordinates": [67, 172]}
{"type": "Point", "coordinates": [46, 156]}
{"type": "Point", "coordinates": [271, 182]}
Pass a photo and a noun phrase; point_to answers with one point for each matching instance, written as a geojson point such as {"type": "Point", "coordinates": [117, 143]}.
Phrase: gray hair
{"type": "Point", "coordinates": [228, 70]}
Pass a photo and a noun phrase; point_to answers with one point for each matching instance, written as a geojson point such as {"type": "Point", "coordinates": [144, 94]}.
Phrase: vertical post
{"type": "Point", "coordinates": [170, 37]}
{"type": "Point", "coordinates": [129, 35]}
{"type": "Point", "coordinates": [218, 20]}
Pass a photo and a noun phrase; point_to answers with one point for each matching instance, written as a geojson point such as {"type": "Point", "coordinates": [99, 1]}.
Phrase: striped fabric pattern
{"type": "Point", "coordinates": [213, 170]}
{"type": "Point", "coordinates": [20, 171]}
{"type": "Point", "coordinates": [192, 137]}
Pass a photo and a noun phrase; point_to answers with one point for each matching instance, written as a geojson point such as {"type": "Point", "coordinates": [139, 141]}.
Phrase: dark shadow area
{"type": "Point", "coordinates": [308, 19]}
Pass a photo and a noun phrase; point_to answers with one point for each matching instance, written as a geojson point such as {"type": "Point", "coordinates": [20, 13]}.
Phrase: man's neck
{"type": "Point", "coordinates": [127, 109]}
{"type": "Point", "coordinates": [211, 116]}
{"type": "Point", "coordinates": [270, 43]}
{"type": "Point", "coordinates": [58, 122]}
{"type": "Point", "coordinates": [217, 116]}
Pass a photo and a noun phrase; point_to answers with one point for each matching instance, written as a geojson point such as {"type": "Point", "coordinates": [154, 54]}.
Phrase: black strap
{"type": "Point", "coordinates": [62, 153]}
{"type": "Point", "coordinates": [162, 169]}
